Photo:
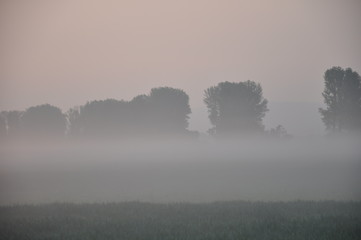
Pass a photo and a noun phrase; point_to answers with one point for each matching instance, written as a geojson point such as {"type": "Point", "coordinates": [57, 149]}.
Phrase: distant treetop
{"type": "Point", "coordinates": [342, 96]}
{"type": "Point", "coordinates": [236, 108]}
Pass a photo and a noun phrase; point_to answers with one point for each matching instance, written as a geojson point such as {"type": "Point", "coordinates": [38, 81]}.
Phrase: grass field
{"type": "Point", "coordinates": [219, 220]}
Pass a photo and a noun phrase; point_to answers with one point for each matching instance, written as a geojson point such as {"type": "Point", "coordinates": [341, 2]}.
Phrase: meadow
{"type": "Point", "coordinates": [217, 220]}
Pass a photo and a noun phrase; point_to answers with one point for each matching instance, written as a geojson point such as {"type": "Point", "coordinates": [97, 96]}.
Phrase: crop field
{"type": "Point", "coordinates": [218, 220]}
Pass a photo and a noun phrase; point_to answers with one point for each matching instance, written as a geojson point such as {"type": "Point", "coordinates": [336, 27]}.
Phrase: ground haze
{"type": "Point", "coordinates": [203, 170]}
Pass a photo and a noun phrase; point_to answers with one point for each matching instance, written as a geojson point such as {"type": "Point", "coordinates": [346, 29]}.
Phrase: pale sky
{"type": "Point", "coordinates": [71, 51]}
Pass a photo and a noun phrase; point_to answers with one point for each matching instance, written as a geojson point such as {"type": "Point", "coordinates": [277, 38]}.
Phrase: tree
{"type": "Point", "coordinates": [164, 111]}
{"type": "Point", "coordinates": [43, 120]}
{"type": "Point", "coordinates": [236, 108]}
{"type": "Point", "coordinates": [141, 114]}
{"type": "Point", "coordinates": [169, 109]}
{"type": "Point", "coordinates": [342, 96]}
{"type": "Point", "coordinates": [100, 118]}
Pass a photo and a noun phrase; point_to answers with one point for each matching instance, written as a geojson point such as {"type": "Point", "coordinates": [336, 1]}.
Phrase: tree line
{"type": "Point", "coordinates": [234, 109]}
{"type": "Point", "coordinates": [164, 111]}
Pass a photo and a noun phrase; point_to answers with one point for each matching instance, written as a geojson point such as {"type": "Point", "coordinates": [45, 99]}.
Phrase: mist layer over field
{"type": "Point", "coordinates": [201, 170]}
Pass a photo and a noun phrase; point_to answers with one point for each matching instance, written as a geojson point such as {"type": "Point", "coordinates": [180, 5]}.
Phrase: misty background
{"type": "Point", "coordinates": [75, 53]}
{"type": "Point", "coordinates": [70, 52]}
{"type": "Point", "coordinates": [286, 114]}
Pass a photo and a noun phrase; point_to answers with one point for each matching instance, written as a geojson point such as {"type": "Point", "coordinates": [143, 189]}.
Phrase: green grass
{"type": "Point", "coordinates": [221, 220]}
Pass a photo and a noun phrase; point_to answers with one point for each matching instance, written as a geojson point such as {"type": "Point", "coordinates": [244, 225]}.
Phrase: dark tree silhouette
{"type": "Point", "coordinates": [103, 118]}
{"type": "Point", "coordinates": [164, 111]}
{"type": "Point", "coordinates": [236, 108]}
{"type": "Point", "coordinates": [342, 96]}
{"type": "Point", "coordinates": [170, 109]}
{"type": "Point", "coordinates": [43, 120]}
{"type": "Point", "coordinates": [141, 114]}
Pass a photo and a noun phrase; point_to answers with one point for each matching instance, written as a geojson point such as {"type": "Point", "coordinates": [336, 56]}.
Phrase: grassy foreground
{"type": "Point", "coordinates": [221, 220]}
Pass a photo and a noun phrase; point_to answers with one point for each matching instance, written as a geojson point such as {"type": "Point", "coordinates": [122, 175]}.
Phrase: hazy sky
{"type": "Point", "coordinates": [71, 51]}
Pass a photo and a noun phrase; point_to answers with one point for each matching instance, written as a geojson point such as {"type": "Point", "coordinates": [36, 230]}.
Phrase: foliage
{"type": "Point", "coordinates": [164, 111]}
{"type": "Point", "coordinates": [43, 120]}
{"type": "Point", "coordinates": [221, 220]}
{"type": "Point", "coordinates": [170, 108]}
{"type": "Point", "coordinates": [105, 117]}
{"type": "Point", "coordinates": [236, 108]}
{"type": "Point", "coordinates": [342, 96]}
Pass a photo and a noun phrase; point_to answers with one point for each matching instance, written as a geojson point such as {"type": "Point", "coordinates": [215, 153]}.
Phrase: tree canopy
{"type": "Point", "coordinates": [170, 109]}
{"type": "Point", "coordinates": [236, 108]}
{"type": "Point", "coordinates": [342, 96]}
{"type": "Point", "coordinates": [164, 111]}
{"type": "Point", "coordinates": [43, 120]}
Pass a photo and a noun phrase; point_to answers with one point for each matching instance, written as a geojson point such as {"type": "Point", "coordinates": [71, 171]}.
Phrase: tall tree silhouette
{"type": "Point", "coordinates": [43, 120]}
{"type": "Point", "coordinates": [170, 109]}
{"type": "Point", "coordinates": [342, 96]}
{"type": "Point", "coordinates": [236, 108]}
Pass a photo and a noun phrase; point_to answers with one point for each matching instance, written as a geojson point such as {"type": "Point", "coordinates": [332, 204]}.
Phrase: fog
{"type": "Point", "coordinates": [202, 170]}
{"type": "Point", "coordinates": [285, 113]}
{"type": "Point", "coordinates": [179, 101]}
